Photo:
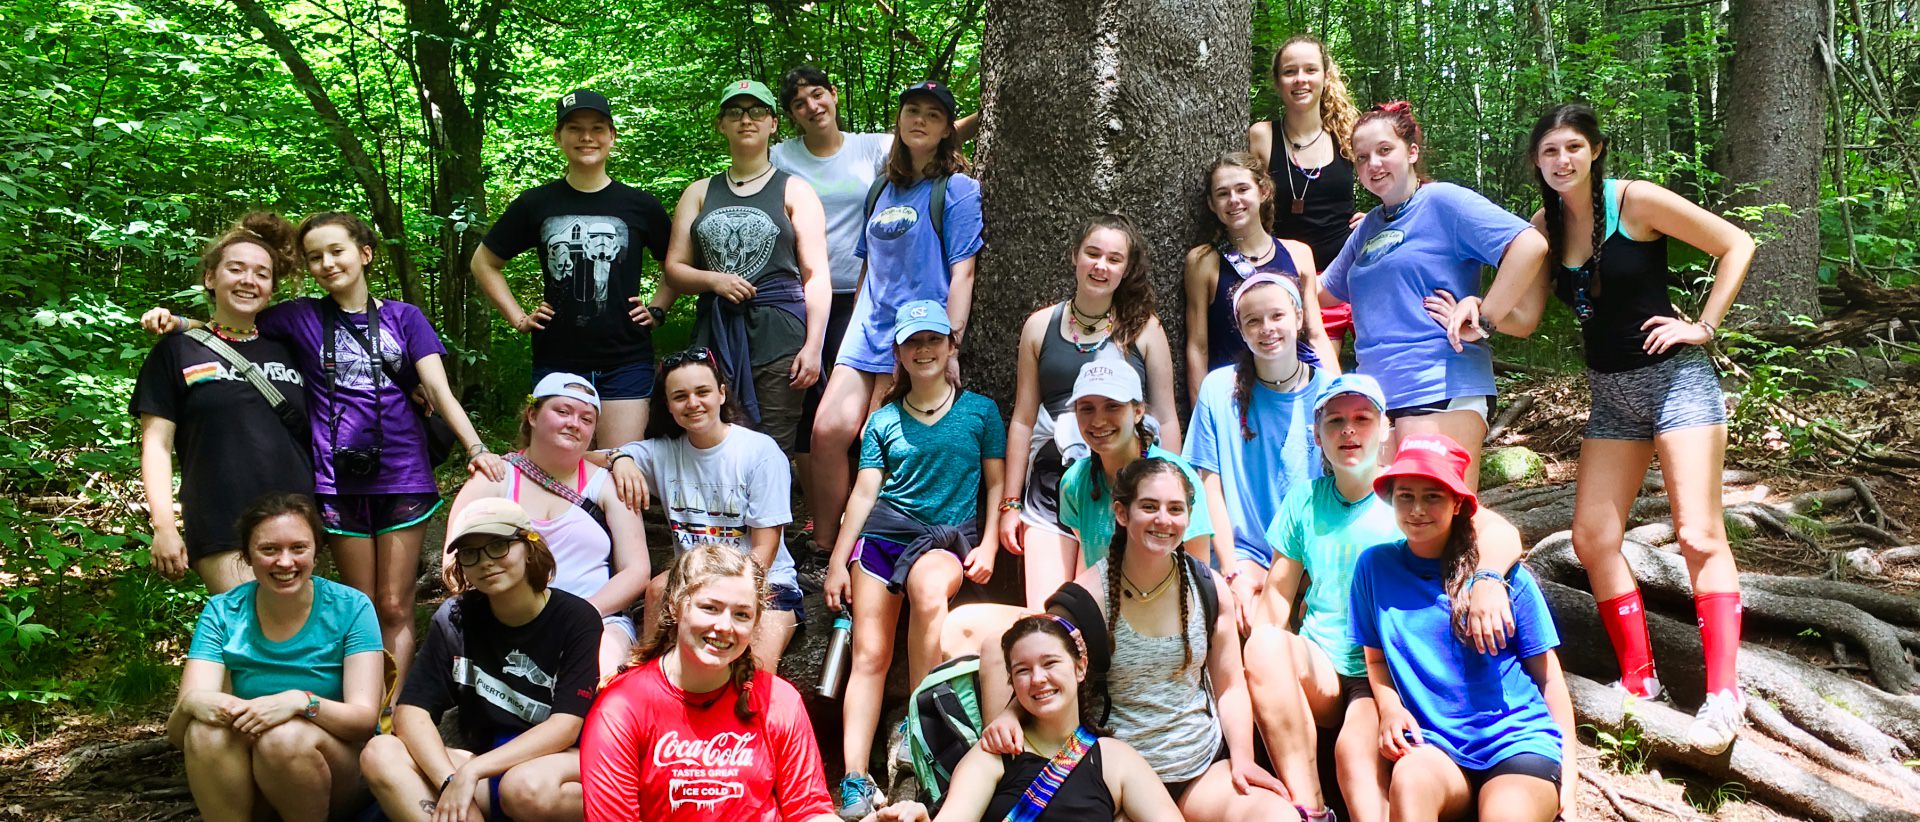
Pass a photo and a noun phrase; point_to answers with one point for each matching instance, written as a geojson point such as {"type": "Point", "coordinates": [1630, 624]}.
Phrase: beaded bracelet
{"type": "Point", "coordinates": [1483, 574]}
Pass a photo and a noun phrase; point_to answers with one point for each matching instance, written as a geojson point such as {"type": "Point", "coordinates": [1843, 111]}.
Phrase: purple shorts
{"type": "Point", "coordinates": [879, 558]}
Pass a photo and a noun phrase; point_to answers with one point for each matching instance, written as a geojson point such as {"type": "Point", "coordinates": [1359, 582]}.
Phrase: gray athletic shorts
{"type": "Point", "coordinates": [1681, 392]}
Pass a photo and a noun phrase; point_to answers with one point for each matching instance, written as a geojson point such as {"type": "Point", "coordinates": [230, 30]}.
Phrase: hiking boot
{"type": "Point", "coordinates": [1719, 719]}
{"type": "Point", "coordinates": [858, 797]}
{"type": "Point", "coordinates": [903, 750]}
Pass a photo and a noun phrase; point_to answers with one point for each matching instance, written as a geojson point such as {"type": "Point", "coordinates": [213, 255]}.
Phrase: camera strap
{"type": "Point", "coordinates": [331, 316]}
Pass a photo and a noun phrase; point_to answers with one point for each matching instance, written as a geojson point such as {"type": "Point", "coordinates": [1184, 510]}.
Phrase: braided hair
{"type": "Point", "coordinates": [691, 571]}
{"type": "Point", "coordinates": [1127, 487]}
{"type": "Point", "coordinates": [1580, 118]}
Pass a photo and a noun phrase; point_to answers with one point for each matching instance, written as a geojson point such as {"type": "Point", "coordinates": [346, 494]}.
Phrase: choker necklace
{"type": "Point", "coordinates": [743, 183]}
{"type": "Point", "coordinates": [1146, 595]}
{"type": "Point", "coordinates": [1393, 212]}
{"type": "Point", "coordinates": [1263, 257]}
{"type": "Point", "coordinates": [928, 412]}
{"type": "Point", "coordinates": [1281, 384]}
{"type": "Point", "coordinates": [1088, 322]}
{"type": "Point", "coordinates": [1306, 143]}
{"type": "Point", "coordinates": [233, 334]}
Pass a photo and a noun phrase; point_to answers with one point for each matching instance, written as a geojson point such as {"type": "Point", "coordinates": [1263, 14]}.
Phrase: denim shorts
{"type": "Point", "coordinates": [788, 598]}
{"type": "Point", "coordinates": [366, 515]}
{"type": "Point", "coordinates": [626, 382]}
{"type": "Point", "coordinates": [1681, 392]}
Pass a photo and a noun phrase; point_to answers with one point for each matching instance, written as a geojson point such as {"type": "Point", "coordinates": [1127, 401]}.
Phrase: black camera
{"type": "Point", "coordinates": [359, 462]}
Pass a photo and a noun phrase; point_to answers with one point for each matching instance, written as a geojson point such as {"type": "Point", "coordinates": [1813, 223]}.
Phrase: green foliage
{"type": "Point", "coordinates": [1622, 753]}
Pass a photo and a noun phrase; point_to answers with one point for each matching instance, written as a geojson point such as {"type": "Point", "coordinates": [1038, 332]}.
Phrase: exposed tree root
{"type": "Point", "coordinates": [1791, 603]}
{"type": "Point", "coordinates": [1767, 775]}
{"type": "Point", "coordinates": [1513, 411]}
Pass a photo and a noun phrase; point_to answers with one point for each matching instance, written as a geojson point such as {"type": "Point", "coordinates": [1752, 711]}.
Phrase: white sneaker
{"type": "Point", "coordinates": [1718, 721]}
{"type": "Point", "coordinates": [1654, 691]}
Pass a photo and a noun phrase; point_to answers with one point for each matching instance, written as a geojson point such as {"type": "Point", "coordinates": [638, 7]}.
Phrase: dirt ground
{"type": "Point", "coordinates": [88, 766]}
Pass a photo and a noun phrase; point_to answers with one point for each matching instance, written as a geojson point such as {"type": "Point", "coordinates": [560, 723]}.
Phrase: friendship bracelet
{"type": "Point", "coordinates": [1011, 504]}
{"type": "Point", "coordinates": [477, 449]}
{"type": "Point", "coordinates": [1483, 574]}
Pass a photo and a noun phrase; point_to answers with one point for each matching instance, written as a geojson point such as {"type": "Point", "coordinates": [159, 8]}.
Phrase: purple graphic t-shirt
{"type": "Point", "coordinates": [343, 414]}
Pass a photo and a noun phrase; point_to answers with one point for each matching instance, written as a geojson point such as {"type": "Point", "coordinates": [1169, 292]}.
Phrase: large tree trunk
{"type": "Point", "coordinates": [1092, 106]}
{"type": "Point", "coordinates": [1775, 124]}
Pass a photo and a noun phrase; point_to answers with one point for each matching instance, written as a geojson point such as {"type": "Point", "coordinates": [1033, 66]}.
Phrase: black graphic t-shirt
{"type": "Point", "coordinates": [232, 446]}
{"type": "Point", "coordinates": [589, 245]}
{"type": "Point", "coordinates": [506, 679]}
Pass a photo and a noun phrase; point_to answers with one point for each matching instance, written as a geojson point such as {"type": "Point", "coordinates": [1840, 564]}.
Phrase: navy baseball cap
{"type": "Point", "coordinates": [581, 99]}
{"type": "Point", "coordinates": [936, 90]}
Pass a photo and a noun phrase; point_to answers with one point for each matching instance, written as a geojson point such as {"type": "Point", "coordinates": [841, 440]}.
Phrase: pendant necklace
{"type": "Point", "coordinates": [743, 183]}
{"type": "Point", "coordinates": [1142, 594]}
{"type": "Point", "coordinates": [1299, 204]}
{"type": "Point", "coordinates": [928, 412]}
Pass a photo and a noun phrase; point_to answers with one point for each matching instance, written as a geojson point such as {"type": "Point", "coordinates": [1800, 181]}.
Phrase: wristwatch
{"type": "Point", "coordinates": [313, 705]}
{"type": "Point", "coordinates": [659, 314]}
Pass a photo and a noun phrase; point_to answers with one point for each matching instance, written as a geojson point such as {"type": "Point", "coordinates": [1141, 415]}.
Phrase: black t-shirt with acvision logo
{"type": "Point", "coordinates": [232, 446]}
{"type": "Point", "coordinates": [589, 245]}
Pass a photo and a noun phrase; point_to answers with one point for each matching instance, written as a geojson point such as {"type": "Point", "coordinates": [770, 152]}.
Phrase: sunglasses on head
{"type": "Point", "coordinates": [680, 358]}
{"type": "Point", "coordinates": [469, 556]}
{"type": "Point", "coordinates": [1584, 288]}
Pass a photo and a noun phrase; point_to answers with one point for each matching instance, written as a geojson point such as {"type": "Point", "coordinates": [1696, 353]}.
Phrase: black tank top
{"type": "Point", "coordinates": [1083, 796]}
{"type": "Point", "coordinates": [1223, 336]}
{"type": "Point", "coordinates": [1628, 286]}
{"type": "Point", "coordinates": [1328, 195]}
{"type": "Point", "coordinates": [1060, 363]}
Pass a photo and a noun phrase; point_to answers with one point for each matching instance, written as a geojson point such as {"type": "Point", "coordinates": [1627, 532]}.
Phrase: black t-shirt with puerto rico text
{"type": "Point", "coordinates": [232, 446]}
{"type": "Point", "coordinates": [589, 245]}
{"type": "Point", "coordinates": [506, 679]}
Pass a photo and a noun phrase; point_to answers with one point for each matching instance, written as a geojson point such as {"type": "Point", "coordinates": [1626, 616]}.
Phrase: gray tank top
{"type": "Point", "coordinates": [1060, 362]}
{"type": "Point", "coordinates": [749, 236]}
{"type": "Point", "coordinates": [1166, 715]}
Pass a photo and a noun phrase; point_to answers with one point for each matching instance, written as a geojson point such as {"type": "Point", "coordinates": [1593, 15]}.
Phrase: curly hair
{"type": "Point", "coordinates": [1133, 300]}
{"type": "Point", "coordinates": [270, 231]}
{"type": "Point", "coordinates": [1338, 114]}
{"type": "Point", "coordinates": [691, 571]}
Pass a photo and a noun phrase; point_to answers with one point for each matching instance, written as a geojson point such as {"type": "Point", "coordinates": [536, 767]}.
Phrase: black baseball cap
{"type": "Point", "coordinates": [581, 99]}
{"type": "Point", "coordinates": [934, 89]}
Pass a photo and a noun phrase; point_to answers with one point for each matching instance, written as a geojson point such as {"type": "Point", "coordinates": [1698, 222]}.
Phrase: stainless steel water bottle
{"type": "Point", "coordinates": [838, 646]}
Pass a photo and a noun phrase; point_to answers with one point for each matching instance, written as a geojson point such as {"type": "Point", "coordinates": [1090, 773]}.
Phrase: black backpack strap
{"type": "Point", "coordinates": [1209, 593]}
{"type": "Point", "coordinates": [873, 193]}
{"type": "Point", "coordinates": [937, 208]}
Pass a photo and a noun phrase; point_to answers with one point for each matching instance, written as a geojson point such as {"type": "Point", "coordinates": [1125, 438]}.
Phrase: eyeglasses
{"type": "Point", "coordinates": [680, 358]}
{"type": "Point", "coordinates": [496, 549]}
{"type": "Point", "coordinates": [732, 114]}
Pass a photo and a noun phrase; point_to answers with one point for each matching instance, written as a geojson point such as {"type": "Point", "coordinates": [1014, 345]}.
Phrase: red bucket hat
{"type": "Point", "coordinates": [1436, 457]}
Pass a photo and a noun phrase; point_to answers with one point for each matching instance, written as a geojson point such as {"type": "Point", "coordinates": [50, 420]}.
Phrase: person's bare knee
{"type": "Point", "coordinates": [290, 741]}
{"type": "Point", "coordinates": [202, 738]}
{"type": "Point", "coordinates": [1701, 541]}
{"type": "Point", "coordinates": [385, 761]}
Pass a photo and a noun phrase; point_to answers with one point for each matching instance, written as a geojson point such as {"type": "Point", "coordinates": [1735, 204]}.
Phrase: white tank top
{"type": "Point", "coordinates": [582, 550]}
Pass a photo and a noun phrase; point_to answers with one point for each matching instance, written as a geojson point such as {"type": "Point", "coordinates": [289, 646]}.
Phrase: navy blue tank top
{"type": "Point", "coordinates": [1223, 335]}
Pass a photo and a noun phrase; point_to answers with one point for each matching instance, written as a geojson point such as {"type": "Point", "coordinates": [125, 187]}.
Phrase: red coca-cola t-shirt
{"type": "Point", "coordinates": [652, 751]}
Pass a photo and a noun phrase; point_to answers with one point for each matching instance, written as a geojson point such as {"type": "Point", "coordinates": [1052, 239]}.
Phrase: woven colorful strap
{"type": "Point", "coordinates": [1052, 777]}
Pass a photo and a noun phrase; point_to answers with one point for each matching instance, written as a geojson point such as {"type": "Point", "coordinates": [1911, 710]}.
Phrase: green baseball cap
{"type": "Point", "coordinates": [747, 88]}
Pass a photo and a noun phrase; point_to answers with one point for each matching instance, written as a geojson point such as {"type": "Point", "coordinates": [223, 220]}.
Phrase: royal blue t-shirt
{"type": "Point", "coordinates": [1388, 269]}
{"type": "Point", "coordinates": [904, 263]}
{"type": "Point", "coordinates": [1479, 708]}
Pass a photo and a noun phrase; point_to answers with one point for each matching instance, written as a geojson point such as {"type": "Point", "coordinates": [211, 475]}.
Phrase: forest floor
{"type": "Point", "coordinates": [117, 767]}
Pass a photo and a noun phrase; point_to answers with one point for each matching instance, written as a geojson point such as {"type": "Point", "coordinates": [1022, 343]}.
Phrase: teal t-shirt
{"type": "Point", "coordinates": [933, 471]}
{"type": "Point", "coordinates": [1086, 504]}
{"type": "Point", "coordinates": [340, 625]}
{"type": "Point", "coordinates": [1321, 530]}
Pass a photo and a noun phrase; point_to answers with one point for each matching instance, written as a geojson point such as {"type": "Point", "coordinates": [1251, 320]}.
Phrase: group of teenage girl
{"type": "Point", "coordinates": [1304, 556]}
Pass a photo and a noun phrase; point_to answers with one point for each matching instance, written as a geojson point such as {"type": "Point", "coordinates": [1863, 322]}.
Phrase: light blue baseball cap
{"type": "Point", "coordinates": [918, 316]}
{"type": "Point", "coordinates": [1351, 383]}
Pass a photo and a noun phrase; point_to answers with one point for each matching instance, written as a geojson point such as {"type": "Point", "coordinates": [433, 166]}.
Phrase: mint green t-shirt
{"type": "Point", "coordinates": [1326, 534]}
{"type": "Point", "coordinates": [340, 624]}
{"type": "Point", "coordinates": [1086, 504]}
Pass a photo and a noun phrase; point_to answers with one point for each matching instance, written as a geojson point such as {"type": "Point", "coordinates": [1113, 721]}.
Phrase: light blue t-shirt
{"type": "Point", "coordinates": [904, 263]}
{"type": "Point", "coordinates": [1318, 528]}
{"type": "Point", "coordinates": [718, 495]}
{"type": "Point", "coordinates": [842, 181]}
{"type": "Point", "coordinates": [1479, 708]}
{"type": "Point", "coordinates": [933, 471]}
{"type": "Point", "coordinates": [1257, 473]}
{"type": "Point", "coordinates": [1086, 504]}
{"type": "Point", "coordinates": [340, 624]}
{"type": "Point", "coordinates": [1388, 269]}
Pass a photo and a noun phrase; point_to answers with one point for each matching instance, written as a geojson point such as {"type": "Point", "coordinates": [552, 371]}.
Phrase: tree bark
{"type": "Point", "coordinates": [1092, 106]}
{"type": "Point", "coordinates": [386, 212]}
{"type": "Point", "coordinates": [1775, 127]}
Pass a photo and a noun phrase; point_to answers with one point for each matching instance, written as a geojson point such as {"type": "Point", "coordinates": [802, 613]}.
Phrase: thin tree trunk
{"type": "Point", "coordinates": [1093, 106]}
{"type": "Point", "coordinates": [386, 212]}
